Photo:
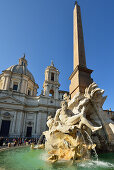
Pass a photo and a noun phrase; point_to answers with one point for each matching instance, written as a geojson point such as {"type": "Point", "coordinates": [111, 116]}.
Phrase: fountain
{"type": "Point", "coordinates": [79, 128]}
{"type": "Point", "coordinates": [70, 131]}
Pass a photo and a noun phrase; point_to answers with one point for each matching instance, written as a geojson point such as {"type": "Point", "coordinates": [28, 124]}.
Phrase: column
{"type": "Point", "coordinates": [13, 123]}
{"type": "Point", "coordinates": [6, 83]}
{"type": "Point", "coordinates": [38, 128]}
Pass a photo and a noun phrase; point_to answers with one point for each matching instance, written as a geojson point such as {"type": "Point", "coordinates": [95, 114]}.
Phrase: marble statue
{"type": "Point", "coordinates": [75, 119]}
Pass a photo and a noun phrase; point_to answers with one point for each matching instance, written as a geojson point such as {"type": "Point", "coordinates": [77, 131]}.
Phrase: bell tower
{"type": "Point", "coordinates": [51, 84]}
{"type": "Point", "coordinates": [81, 75]}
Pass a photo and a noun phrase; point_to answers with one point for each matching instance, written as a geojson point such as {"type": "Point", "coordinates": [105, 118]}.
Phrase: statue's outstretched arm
{"type": "Point", "coordinates": [56, 118]}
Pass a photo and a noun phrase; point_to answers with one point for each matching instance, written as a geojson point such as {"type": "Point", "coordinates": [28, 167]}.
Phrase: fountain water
{"type": "Point", "coordinates": [28, 159]}
{"type": "Point", "coordinates": [94, 155]}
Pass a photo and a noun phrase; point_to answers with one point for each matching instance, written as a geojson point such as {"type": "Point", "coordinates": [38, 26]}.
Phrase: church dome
{"type": "Point", "coordinates": [21, 68]}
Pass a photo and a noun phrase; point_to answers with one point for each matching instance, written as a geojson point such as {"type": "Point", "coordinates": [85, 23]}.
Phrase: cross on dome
{"type": "Point", "coordinates": [52, 64]}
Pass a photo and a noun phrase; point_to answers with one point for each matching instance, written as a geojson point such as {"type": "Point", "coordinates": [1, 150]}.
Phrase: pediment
{"type": "Point", "coordinates": [10, 100]}
{"type": "Point", "coordinates": [7, 115]}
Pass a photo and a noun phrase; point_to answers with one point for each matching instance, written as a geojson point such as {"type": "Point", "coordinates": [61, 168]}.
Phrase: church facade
{"type": "Point", "coordinates": [22, 112]}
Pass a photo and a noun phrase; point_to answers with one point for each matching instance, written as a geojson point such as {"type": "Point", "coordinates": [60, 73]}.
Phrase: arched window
{"type": "Point", "coordinates": [51, 93]}
{"type": "Point", "coordinates": [15, 86]}
{"type": "Point", "coordinates": [29, 92]}
{"type": "Point", "coordinates": [52, 76]}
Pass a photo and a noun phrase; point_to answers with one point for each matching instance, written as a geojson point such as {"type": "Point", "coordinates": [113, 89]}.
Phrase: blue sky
{"type": "Point", "coordinates": [43, 30]}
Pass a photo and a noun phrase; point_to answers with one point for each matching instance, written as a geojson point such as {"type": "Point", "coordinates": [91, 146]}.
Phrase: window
{"type": "Point", "coordinates": [51, 93]}
{"type": "Point", "coordinates": [15, 86]}
{"type": "Point", "coordinates": [52, 76]}
{"type": "Point", "coordinates": [29, 92]}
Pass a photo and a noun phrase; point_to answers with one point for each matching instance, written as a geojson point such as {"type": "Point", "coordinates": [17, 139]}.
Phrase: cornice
{"type": "Point", "coordinates": [80, 68]}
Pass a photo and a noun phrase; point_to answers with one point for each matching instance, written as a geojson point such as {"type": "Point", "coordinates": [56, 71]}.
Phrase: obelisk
{"type": "Point", "coordinates": [81, 75]}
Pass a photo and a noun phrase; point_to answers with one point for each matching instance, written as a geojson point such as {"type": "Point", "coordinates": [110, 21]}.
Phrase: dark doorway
{"type": "Point", "coordinates": [29, 132]}
{"type": "Point", "coordinates": [5, 128]}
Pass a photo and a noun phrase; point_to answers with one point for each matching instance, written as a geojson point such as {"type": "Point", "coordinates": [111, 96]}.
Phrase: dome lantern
{"type": "Point", "coordinates": [23, 61]}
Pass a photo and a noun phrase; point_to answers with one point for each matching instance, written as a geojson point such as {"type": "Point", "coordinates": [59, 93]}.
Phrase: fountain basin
{"type": "Point", "coordinates": [28, 159]}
